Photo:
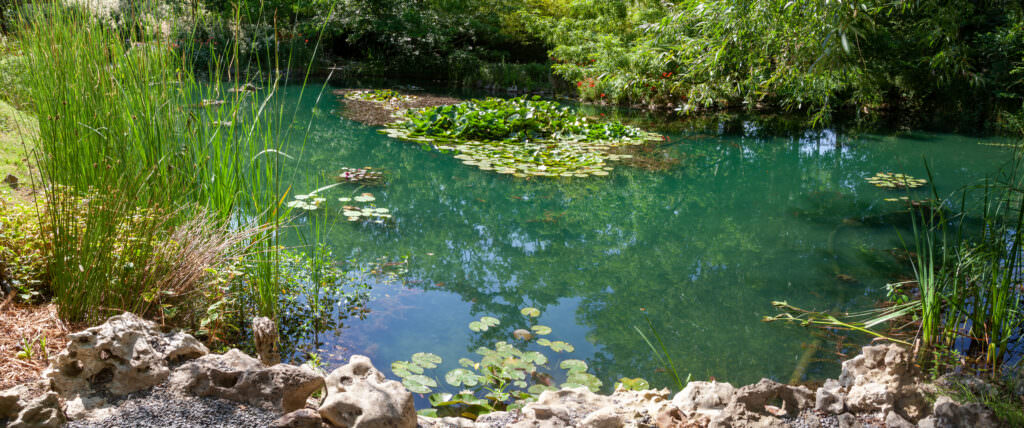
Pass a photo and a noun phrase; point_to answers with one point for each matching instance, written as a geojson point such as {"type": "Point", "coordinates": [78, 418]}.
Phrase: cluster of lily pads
{"type": "Point", "coordinates": [364, 176]}
{"type": "Point", "coordinates": [889, 180]}
{"type": "Point", "coordinates": [520, 136]}
{"type": "Point", "coordinates": [365, 212]}
{"type": "Point", "coordinates": [379, 96]}
{"type": "Point", "coordinates": [308, 202]}
{"type": "Point", "coordinates": [503, 374]}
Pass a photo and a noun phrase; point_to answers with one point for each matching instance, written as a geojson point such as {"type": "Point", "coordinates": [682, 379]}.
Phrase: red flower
{"type": "Point", "coordinates": [602, 95]}
{"type": "Point", "coordinates": [602, 114]}
{"type": "Point", "coordinates": [307, 41]}
{"type": "Point", "coordinates": [578, 84]}
{"type": "Point", "coordinates": [591, 84]}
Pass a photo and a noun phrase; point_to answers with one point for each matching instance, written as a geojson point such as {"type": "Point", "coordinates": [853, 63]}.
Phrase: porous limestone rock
{"type": "Point", "coordinates": [883, 378]}
{"type": "Point", "coordinates": [238, 377]}
{"type": "Point", "coordinates": [747, 406]}
{"type": "Point", "coordinates": [123, 355]}
{"type": "Point", "coordinates": [445, 422]}
{"type": "Point", "coordinates": [30, 406]}
{"type": "Point", "coordinates": [302, 418]}
{"type": "Point", "coordinates": [358, 395]}
{"type": "Point", "coordinates": [829, 398]}
{"type": "Point", "coordinates": [949, 413]}
{"type": "Point", "coordinates": [707, 398]}
{"type": "Point", "coordinates": [265, 337]}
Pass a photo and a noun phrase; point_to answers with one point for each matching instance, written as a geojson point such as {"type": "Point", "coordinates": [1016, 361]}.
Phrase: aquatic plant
{"type": "Point", "coordinates": [379, 95]}
{"type": "Point", "coordinates": [522, 137]}
{"type": "Point", "coordinates": [365, 176]}
{"type": "Point", "coordinates": [365, 212]}
{"type": "Point", "coordinates": [507, 377]}
{"type": "Point", "coordinates": [889, 180]}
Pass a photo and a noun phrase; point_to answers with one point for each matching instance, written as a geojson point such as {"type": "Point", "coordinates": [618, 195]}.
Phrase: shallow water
{"type": "Point", "coordinates": [750, 215]}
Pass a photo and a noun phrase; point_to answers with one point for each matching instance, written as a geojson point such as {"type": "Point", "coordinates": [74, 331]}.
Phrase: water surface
{"type": "Point", "coordinates": [750, 215]}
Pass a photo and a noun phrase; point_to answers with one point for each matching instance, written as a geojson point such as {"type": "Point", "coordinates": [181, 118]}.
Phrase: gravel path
{"type": "Point", "coordinates": [162, 408]}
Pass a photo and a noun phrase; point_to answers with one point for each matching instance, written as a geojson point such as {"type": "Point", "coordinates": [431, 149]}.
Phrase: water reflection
{"type": "Point", "coordinates": [751, 215]}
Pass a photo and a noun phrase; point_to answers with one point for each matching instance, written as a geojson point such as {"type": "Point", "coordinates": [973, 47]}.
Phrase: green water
{"type": "Point", "coordinates": [749, 216]}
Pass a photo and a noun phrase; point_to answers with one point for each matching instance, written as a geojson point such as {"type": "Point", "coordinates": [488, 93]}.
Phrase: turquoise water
{"type": "Point", "coordinates": [750, 215]}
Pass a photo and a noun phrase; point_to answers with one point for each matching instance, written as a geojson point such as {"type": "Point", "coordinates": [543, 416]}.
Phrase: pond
{"type": "Point", "coordinates": [750, 215]}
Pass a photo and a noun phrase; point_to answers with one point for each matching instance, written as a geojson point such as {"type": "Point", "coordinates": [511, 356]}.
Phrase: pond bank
{"type": "Point", "coordinates": [128, 369]}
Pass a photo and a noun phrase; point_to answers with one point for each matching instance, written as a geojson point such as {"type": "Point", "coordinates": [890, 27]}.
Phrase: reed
{"type": "Point", "coordinates": [133, 147]}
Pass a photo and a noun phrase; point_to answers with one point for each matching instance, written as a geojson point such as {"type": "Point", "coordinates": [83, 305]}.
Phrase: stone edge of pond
{"type": "Point", "coordinates": [130, 369]}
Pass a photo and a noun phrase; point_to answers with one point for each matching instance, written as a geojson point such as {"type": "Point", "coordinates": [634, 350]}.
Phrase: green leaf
{"type": "Point", "coordinates": [535, 358]}
{"type": "Point", "coordinates": [560, 346]}
{"type": "Point", "coordinates": [573, 365]}
{"type": "Point", "coordinates": [536, 389]}
{"type": "Point", "coordinates": [585, 379]}
{"type": "Point", "coordinates": [405, 368]}
{"type": "Point", "coordinates": [530, 312]}
{"type": "Point", "coordinates": [633, 384]}
{"type": "Point", "coordinates": [440, 399]}
{"type": "Point", "coordinates": [466, 362]}
{"type": "Point", "coordinates": [419, 384]}
{"type": "Point", "coordinates": [462, 377]}
{"type": "Point", "coordinates": [541, 329]}
{"type": "Point", "coordinates": [426, 360]}
{"type": "Point", "coordinates": [430, 413]}
{"type": "Point", "coordinates": [543, 342]}
{"type": "Point", "coordinates": [490, 321]}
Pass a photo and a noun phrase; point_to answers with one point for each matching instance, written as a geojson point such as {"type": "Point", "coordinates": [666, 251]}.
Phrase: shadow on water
{"type": "Point", "coordinates": [750, 215]}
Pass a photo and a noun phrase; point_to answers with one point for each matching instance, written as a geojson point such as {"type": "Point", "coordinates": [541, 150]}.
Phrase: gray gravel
{"type": "Point", "coordinates": [162, 408]}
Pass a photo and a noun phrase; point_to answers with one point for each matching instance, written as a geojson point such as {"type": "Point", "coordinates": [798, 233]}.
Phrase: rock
{"type": "Point", "coordinates": [495, 420]}
{"type": "Point", "coordinates": [446, 422]}
{"type": "Point", "coordinates": [883, 378]}
{"type": "Point", "coordinates": [264, 333]}
{"type": "Point", "coordinates": [21, 411]}
{"type": "Point", "coordinates": [302, 418]}
{"type": "Point", "coordinates": [565, 407]}
{"type": "Point", "coordinates": [748, 405]}
{"type": "Point", "coordinates": [11, 180]}
{"type": "Point", "coordinates": [704, 397]}
{"type": "Point", "coordinates": [949, 413]}
{"type": "Point", "coordinates": [848, 420]}
{"type": "Point", "coordinates": [829, 398]}
{"type": "Point", "coordinates": [893, 420]}
{"type": "Point", "coordinates": [123, 355]}
{"type": "Point", "coordinates": [238, 377]}
{"type": "Point", "coordinates": [603, 418]}
{"type": "Point", "coordinates": [358, 395]}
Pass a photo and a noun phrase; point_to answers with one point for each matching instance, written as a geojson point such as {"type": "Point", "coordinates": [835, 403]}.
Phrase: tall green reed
{"type": "Point", "coordinates": [133, 144]}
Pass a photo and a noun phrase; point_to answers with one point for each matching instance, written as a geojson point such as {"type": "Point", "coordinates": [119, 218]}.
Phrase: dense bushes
{"type": "Point", "coordinates": [817, 56]}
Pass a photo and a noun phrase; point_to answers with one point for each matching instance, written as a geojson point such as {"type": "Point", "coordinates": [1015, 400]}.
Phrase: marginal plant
{"type": "Point", "coordinates": [503, 377]}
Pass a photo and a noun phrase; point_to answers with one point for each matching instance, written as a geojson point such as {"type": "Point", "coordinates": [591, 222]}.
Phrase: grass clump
{"type": "Point", "coordinates": [143, 191]}
{"type": "Point", "coordinates": [521, 136]}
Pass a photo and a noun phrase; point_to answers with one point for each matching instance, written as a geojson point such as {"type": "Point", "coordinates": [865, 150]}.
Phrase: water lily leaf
{"type": "Point", "coordinates": [462, 377]}
{"type": "Point", "coordinates": [466, 362]}
{"type": "Point", "coordinates": [490, 321]}
{"type": "Point", "coordinates": [419, 384]}
{"type": "Point", "coordinates": [536, 389]}
{"type": "Point", "coordinates": [348, 213]}
{"type": "Point", "coordinates": [365, 198]}
{"type": "Point", "coordinates": [440, 399]}
{"type": "Point", "coordinates": [573, 365]}
{"type": "Point", "coordinates": [405, 368]}
{"type": "Point", "coordinates": [583, 379]}
{"type": "Point", "coordinates": [560, 346]}
{"type": "Point", "coordinates": [477, 326]}
{"type": "Point", "coordinates": [543, 342]}
{"type": "Point", "coordinates": [426, 360]}
{"type": "Point", "coordinates": [530, 312]}
{"type": "Point", "coordinates": [541, 329]}
{"type": "Point", "coordinates": [633, 384]}
{"type": "Point", "coordinates": [535, 358]}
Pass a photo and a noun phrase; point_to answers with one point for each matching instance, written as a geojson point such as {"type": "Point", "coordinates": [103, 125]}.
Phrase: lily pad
{"type": "Point", "coordinates": [530, 312]}
{"type": "Point", "coordinates": [462, 377]}
{"type": "Point", "coordinates": [541, 329]}
{"type": "Point", "coordinates": [426, 360]}
{"type": "Point", "coordinates": [573, 365]}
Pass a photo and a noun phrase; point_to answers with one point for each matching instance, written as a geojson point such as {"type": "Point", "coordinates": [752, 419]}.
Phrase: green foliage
{"type": "Point", "coordinates": [25, 252]}
{"type": "Point", "coordinates": [815, 56]}
{"type": "Point", "coordinates": [521, 136]}
{"type": "Point", "coordinates": [140, 174]}
{"type": "Point", "coordinates": [507, 377]}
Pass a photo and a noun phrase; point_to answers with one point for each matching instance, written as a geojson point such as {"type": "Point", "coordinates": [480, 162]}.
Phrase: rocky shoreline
{"type": "Point", "coordinates": [129, 372]}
